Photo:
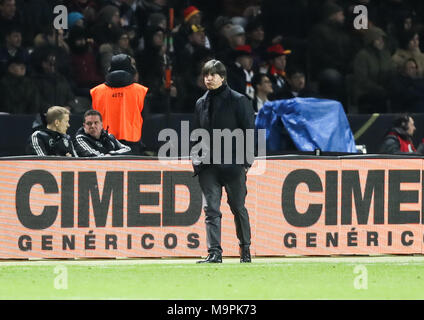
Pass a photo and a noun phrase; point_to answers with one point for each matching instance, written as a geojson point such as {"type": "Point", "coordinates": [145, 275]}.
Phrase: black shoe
{"type": "Point", "coordinates": [212, 258]}
{"type": "Point", "coordinates": [245, 255]}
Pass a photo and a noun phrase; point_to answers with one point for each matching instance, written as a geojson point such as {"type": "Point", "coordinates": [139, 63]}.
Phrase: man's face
{"type": "Point", "coordinates": [297, 81]}
{"type": "Point", "coordinates": [246, 62]}
{"type": "Point", "coordinates": [49, 66]}
{"type": "Point", "coordinates": [198, 38]}
{"type": "Point", "coordinates": [411, 127]}
{"type": "Point", "coordinates": [93, 126]}
{"type": "Point", "coordinates": [280, 62]}
{"type": "Point", "coordinates": [17, 69]}
{"type": "Point", "coordinates": [411, 69]}
{"type": "Point", "coordinates": [14, 39]}
{"type": "Point", "coordinates": [258, 34]}
{"type": "Point", "coordinates": [213, 81]}
{"type": "Point", "coordinates": [195, 19]}
{"type": "Point", "coordinates": [265, 86]}
{"type": "Point", "coordinates": [63, 124]}
{"type": "Point", "coordinates": [379, 43]}
{"type": "Point", "coordinates": [8, 9]}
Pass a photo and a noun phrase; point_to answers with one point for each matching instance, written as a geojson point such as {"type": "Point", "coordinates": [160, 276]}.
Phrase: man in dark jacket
{"type": "Point", "coordinates": [222, 108]}
{"type": "Point", "coordinates": [398, 139]}
{"type": "Point", "coordinates": [91, 140]}
{"type": "Point", "coordinates": [53, 140]}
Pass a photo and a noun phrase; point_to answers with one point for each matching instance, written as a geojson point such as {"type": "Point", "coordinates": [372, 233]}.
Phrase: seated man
{"type": "Point", "coordinates": [91, 140]}
{"type": "Point", "coordinates": [398, 139]}
{"type": "Point", "coordinates": [53, 140]}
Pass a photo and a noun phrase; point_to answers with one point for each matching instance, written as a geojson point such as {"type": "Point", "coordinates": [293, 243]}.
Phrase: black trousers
{"type": "Point", "coordinates": [233, 178]}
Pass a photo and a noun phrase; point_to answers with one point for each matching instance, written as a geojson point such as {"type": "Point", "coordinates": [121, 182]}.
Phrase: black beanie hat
{"type": "Point", "coordinates": [121, 62]}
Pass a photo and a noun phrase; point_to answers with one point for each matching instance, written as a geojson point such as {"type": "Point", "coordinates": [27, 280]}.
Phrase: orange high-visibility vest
{"type": "Point", "coordinates": [120, 109]}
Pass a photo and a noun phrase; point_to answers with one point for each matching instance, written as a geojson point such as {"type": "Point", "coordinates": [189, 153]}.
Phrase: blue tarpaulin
{"type": "Point", "coordinates": [311, 123]}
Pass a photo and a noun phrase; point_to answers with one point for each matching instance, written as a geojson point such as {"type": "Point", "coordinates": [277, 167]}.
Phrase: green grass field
{"type": "Point", "coordinates": [264, 279]}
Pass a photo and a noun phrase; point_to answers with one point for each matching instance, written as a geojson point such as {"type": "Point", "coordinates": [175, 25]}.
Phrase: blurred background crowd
{"type": "Point", "coordinates": [272, 50]}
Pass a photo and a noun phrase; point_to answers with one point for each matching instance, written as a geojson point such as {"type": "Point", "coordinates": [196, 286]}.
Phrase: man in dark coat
{"type": "Point", "coordinates": [222, 108]}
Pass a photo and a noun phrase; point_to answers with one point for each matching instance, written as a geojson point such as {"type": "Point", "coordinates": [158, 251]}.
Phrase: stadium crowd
{"type": "Point", "coordinates": [272, 50]}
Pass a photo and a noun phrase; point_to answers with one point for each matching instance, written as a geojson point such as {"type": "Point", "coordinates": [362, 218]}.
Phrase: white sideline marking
{"type": "Point", "coordinates": [271, 260]}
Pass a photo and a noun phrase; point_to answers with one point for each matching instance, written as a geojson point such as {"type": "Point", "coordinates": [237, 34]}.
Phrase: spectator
{"type": "Point", "coordinates": [86, 73]}
{"type": "Point", "coordinates": [373, 71]}
{"type": "Point", "coordinates": [240, 71]}
{"type": "Point", "coordinates": [193, 85]}
{"type": "Point", "coordinates": [277, 59]}
{"type": "Point", "coordinates": [53, 40]}
{"type": "Point", "coordinates": [121, 44]}
{"type": "Point", "coordinates": [330, 50]}
{"type": "Point", "coordinates": [191, 16]}
{"type": "Point", "coordinates": [409, 48]}
{"type": "Point", "coordinates": [296, 85]}
{"type": "Point", "coordinates": [399, 139]}
{"type": "Point", "coordinates": [53, 140]}
{"type": "Point", "coordinates": [221, 26]}
{"type": "Point", "coordinates": [255, 36]}
{"type": "Point", "coordinates": [235, 36]}
{"type": "Point", "coordinates": [407, 90]}
{"type": "Point", "coordinates": [263, 88]}
{"type": "Point", "coordinates": [107, 20]}
{"type": "Point", "coordinates": [75, 18]}
{"type": "Point", "coordinates": [13, 48]}
{"type": "Point", "coordinates": [35, 15]}
{"type": "Point", "coordinates": [91, 140]}
{"type": "Point", "coordinates": [87, 7]}
{"type": "Point", "coordinates": [9, 16]}
{"type": "Point", "coordinates": [54, 88]}
{"type": "Point", "coordinates": [151, 64]}
{"type": "Point", "coordinates": [196, 39]}
{"type": "Point", "coordinates": [19, 93]}
{"type": "Point", "coordinates": [120, 101]}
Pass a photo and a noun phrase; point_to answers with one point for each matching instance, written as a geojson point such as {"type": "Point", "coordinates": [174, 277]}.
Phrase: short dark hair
{"type": "Point", "coordinates": [92, 112]}
{"type": "Point", "coordinates": [402, 120]}
{"type": "Point", "coordinates": [293, 69]}
{"type": "Point", "coordinates": [257, 79]}
{"type": "Point", "coordinates": [214, 67]}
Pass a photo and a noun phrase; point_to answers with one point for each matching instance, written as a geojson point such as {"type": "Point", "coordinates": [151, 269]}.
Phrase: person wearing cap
{"type": "Point", "coordinates": [120, 101]}
{"type": "Point", "coordinates": [236, 36]}
{"type": "Point", "coordinates": [85, 71]}
{"type": "Point", "coordinates": [373, 69]}
{"type": "Point", "coordinates": [240, 72]}
{"type": "Point", "coordinates": [277, 61]}
{"type": "Point", "coordinates": [192, 16]}
{"type": "Point", "coordinates": [75, 18]}
{"type": "Point", "coordinates": [196, 40]}
{"type": "Point", "coordinates": [19, 94]}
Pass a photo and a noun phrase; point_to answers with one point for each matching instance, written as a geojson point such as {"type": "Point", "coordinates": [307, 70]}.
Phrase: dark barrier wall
{"type": "Point", "coordinates": [369, 130]}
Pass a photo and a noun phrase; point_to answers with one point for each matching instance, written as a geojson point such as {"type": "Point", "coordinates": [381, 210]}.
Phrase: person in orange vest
{"type": "Point", "coordinates": [120, 101]}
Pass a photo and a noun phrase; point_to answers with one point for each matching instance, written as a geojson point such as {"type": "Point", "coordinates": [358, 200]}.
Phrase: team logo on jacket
{"type": "Point", "coordinates": [66, 143]}
{"type": "Point", "coordinates": [99, 144]}
{"type": "Point", "coordinates": [51, 142]}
